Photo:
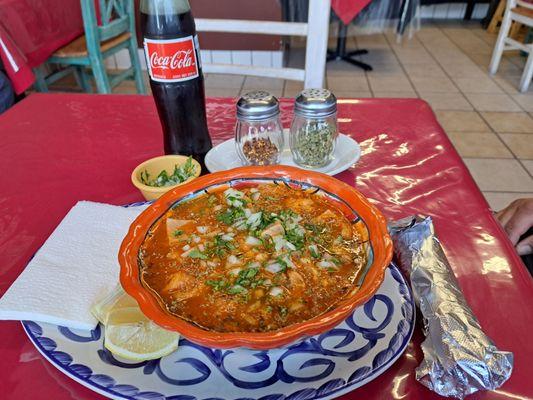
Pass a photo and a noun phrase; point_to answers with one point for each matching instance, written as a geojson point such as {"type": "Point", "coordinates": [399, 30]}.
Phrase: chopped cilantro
{"type": "Point", "coordinates": [195, 253]}
{"type": "Point", "coordinates": [180, 174]}
{"type": "Point", "coordinates": [220, 246]}
{"type": "Point", "coordinates": [217, 285]}
{"type": "Point", "coordinates": [257, 283]}
{"type": "Point", "coordinates": [336, 261]}
{"type": "Point", "coordinates": [268, 243]}
{"type": "Point", "coordinates": [283, 311]}
{"type": "Point", "coordinates": [296, 237]}
{"type": "Point", "coordinates": [177, 232]}
{"type": "Point", "coordinates": [266, 220]}
{"type": "Point", "coordinates": [315, 229]}
{"type": "Point", "coordinates": [313, 249]}
{"type": "Point", "coordinates": [230, 215]}
{"type": "Point", "coordinates": [236, 201]}
{"type": "Point", "coordinates": [246, 276]}
{"type": "Point", "coordinates": [236, 289]}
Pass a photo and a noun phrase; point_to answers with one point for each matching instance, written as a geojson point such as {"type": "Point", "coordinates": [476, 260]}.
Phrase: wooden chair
{"type": "Point", "coordinates": [115, 32]}
{"type": "Point", "coordinates": [521, 12]}
{"type": "Point", "coordinates": [316, 30]}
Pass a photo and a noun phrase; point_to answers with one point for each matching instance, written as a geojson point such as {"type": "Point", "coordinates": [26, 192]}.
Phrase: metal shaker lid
{"type": "Point", "coordinates": [257, 105]}
{"type": "Point", "coordinates": [315, 103]}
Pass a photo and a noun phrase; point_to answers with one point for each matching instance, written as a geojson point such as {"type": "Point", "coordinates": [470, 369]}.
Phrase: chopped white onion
{"type": "Point", "coordinates": [201, 229]}
{"type": "Point", "coordinates": [289, 262]}
{"type": "Point", "coordinates": [254, 220]}
{"type": "Point", "coordinates": [252, 241]}
{"type": "Point", "coordinates": [273, 230]}
{"type": "Point", "coordinates": [274, 267]}
{"type": "Point", "coordinates": [233, 197]}
{"type": "Point", "coordinates": [196, 239]}
{"type": "Point", "coordinates": [240, 225]}
{"type": "Point", "coordinates": [227, 237]}
{"type": "Point", "coordinates": [276, 291]}
{"type": "Point", "coordinates": [218, 207]}
{"type": "Point", "coordinates": [235, 271]}
{"type": "Point", "coordinates": [186, 247]}
{"type": "Point", "coordinates": [186, 253]}
{"type": "Point", "coordinates": [255, 196]}
{"type": "Point", "coordinates": [233, 260]}
{"type": "Point", "coordinates": [326, 264]}
{"type": "Point", "coordinates": [201, 247]}
{"type": "Point", "coordinates": [211, 264]}
{"type": "Point", "coordinates": [254, 190]}
{"type": "Point", "coordinates": [247, 212]}
{"type": "Point", "coordinates": [278, 243]}
{"type": "Point", "coordinates": [254, 264]}
{"type": "Point", "coordinates": [290, 246]}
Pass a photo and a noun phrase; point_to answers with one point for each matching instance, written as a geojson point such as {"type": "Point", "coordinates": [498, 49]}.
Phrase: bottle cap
{"type": "Point", "coordinates": [315, 103]}
{"type": "Point", "coordinates": [257, 105]}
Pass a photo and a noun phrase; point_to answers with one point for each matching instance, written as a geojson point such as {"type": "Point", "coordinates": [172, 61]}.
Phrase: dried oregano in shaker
{"type": "Point", "coordinates": [314, 128]}
{"type": "Point", "coordinates": [258, 132]}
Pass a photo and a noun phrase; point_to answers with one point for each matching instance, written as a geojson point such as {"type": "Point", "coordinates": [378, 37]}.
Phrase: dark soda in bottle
{"type": "Point", "coordinates": [175, 69]}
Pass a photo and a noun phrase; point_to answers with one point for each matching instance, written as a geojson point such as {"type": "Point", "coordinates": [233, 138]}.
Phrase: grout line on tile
{"type": "Point", "coordinates": [506, 191]}
{"type": "Point", "coordinates": [501, 140]}
{"type": "Point", "coordinates": [520, 161]}
{"type": "Point", "coordinates": [402, 66]}
{"type": "Point", "coordinates": [491, 77]}
{"type": "Point", "coordinates": [444, 69]}
{"type": "Point", "coordinates": [366, 72]}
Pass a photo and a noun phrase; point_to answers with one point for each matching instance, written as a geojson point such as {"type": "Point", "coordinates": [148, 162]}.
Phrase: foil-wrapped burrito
{"type": "Point", "coordinates": [459, 358]}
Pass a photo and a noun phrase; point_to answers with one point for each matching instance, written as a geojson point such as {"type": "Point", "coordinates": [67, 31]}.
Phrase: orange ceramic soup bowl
{"type": "Point", "coordinates": [367, 219]}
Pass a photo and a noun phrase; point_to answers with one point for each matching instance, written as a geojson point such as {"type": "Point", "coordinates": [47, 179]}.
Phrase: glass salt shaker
{"type": "Point", "coordinates": [258, 131]}
{"type": "Point", "coordinates": [314, 128]}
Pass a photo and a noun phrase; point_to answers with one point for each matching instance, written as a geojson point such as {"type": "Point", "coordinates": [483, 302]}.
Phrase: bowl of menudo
{"type": "Point", "coordinates": [255, 257]}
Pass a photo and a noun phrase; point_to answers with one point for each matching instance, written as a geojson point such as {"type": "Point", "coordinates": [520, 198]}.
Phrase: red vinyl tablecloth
{"type": "Point", "coordinates": [31, 30]}
{"type": "Point", "coordinates": [56, 149]}
{"type": "Point", "coordinates": [346, 10]}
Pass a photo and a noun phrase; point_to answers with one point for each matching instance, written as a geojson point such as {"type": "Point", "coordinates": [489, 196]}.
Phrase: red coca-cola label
{"type": "Point", "coordinates": [171, 60]}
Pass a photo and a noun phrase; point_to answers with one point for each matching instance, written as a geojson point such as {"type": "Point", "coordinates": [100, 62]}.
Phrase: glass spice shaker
{"type": "Point", "coordinates": [314, 128]}
{"type": "Point", "coordinates": [258, 131]}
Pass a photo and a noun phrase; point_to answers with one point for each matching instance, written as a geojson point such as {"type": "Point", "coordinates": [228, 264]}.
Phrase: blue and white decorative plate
{"type": "Point", "coordinates": [324, 366]}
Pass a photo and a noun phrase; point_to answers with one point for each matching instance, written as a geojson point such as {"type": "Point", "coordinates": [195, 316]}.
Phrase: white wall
{"type": "Point", "coordinates": [452, 11]}
{"type": "Point", "coordinates": [274, 59]}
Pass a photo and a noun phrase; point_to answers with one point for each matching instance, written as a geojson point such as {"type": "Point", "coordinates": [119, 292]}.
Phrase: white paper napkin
{"type": "Point", "coordinates": [76, 265]}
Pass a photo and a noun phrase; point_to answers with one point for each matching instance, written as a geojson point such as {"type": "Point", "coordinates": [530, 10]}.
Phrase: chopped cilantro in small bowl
{"type": "Point", "coordinates": [158, 175]}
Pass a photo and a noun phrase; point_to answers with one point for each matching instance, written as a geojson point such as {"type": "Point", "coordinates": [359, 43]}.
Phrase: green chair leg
{"type": "Point", "coordinates": [83, 79]}
{"type": "Point", "coordinates": [40, 79]}
{"type": "Point", "coordinates": [134, 57]}
{"type": "Point", "coordinates": [100, 75]}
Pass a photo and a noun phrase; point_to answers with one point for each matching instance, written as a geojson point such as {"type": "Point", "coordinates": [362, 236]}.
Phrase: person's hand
{"type": "Point", "coordinates": [516, 219]}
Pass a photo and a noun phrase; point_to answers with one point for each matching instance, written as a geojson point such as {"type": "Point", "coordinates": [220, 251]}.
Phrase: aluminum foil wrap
{"type": "Point", "coordinates": [459, 358]}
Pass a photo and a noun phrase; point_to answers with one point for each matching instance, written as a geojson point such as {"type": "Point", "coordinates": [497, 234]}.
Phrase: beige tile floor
{"type": "Point", "coordinates": [445, 63]}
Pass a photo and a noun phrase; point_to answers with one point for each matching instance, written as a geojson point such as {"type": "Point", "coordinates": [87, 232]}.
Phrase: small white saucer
{"type": "Point", "coordinates": [347, 152]}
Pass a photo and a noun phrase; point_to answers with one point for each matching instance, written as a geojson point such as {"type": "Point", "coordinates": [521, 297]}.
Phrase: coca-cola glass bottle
{"type": "Point", "coordinates": [175, 69]}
